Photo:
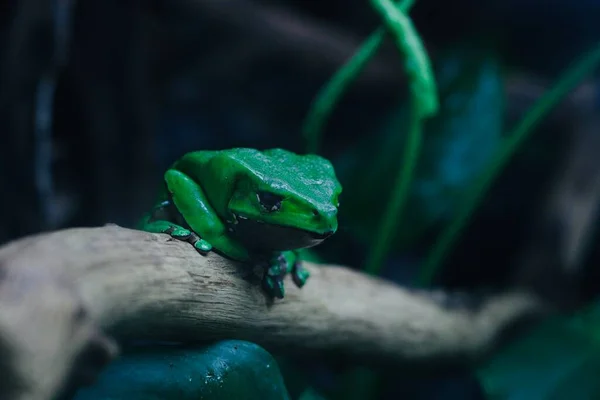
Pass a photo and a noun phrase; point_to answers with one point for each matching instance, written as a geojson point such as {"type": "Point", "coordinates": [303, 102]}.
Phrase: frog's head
{"type": "Point", "coordinates": [284, 201]}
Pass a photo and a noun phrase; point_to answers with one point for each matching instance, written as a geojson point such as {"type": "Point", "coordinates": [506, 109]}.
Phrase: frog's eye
{"type": "Point", "coordinates": [269, 202]}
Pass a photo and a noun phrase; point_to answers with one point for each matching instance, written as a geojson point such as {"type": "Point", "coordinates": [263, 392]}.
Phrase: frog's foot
{"type": "Point", "coordinates": [201, 245]}
{"type": "Point", "coordinates": [299, 274]}
{"type": "Point", "coordinates": [273, 277]}
{"type": "Point", "coordinates": [179, 233]}
{"type": "Point", "coordinates": [149, 224]}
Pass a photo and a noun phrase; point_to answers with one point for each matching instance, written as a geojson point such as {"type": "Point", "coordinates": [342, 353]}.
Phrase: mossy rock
{"type": "Point", "coordinates": [229, 369]}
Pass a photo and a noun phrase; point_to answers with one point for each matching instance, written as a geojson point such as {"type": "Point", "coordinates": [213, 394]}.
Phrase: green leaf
{"type": "Point", "coordinates": [225, 370]}
{"type": "Point", "coordinates": [558, 360]}
{"type": "Point", "coordinates": [457, 145]}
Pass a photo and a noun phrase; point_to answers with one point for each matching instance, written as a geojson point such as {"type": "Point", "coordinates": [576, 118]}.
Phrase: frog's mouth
{"type": "Point", "coordinates": [269, 237]}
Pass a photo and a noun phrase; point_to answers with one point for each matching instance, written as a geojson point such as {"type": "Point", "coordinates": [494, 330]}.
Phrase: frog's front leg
{"type": "Point", "coordinates": [279, 265]}
{"type": "Point", "coordinates": [275, 271]}
{"type": "Point", "coordinates": [299, 274]}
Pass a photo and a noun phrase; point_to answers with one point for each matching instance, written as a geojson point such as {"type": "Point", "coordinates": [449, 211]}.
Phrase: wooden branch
{"type": "Point", "coordinates": [59, 291]}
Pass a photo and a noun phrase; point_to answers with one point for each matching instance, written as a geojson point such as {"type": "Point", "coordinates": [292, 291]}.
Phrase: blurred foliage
{"type": "Point", "coordinates": [559, 360]}
{"type": "Point", "coordinates": [573, 76]}
{"type": "Point", "coordinates": [457, 144]}
{"type": "Point", "coordinates": [423, 103]}
{"type": "Point", "coordinates": [225, 370]}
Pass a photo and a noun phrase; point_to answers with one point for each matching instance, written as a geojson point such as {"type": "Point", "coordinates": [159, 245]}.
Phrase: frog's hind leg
{"type": "Point", "coordinates": [164, 218]}
{"type": "Point", "coordinates": [190, 200]}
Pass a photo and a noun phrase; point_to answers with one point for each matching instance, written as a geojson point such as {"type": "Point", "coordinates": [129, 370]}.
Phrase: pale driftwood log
{"type": "Point", "coordinates": [60, 291]}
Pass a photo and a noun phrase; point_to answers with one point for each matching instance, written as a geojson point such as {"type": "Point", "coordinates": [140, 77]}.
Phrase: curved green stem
{"type": "Point", "coordinates": [328, 97]}
{"type": "Point", "coordinates": [423, 103]}
{"type": "Point", "coordinates": [416, 62]}
{"type": "Point", "coordinates": [571, 78]}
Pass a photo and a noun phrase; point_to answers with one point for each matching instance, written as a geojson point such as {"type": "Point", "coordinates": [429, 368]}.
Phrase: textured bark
{"type": "Point", "coordinates": [62, 293]}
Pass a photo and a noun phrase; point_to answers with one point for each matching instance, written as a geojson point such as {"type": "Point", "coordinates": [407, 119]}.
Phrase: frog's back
{"type": "Point", "coordinates": [243, 155]}
{"type": "Point", "coordinates": [302, 167]}
{"type": "Point", "coordinates": [259, 162]}
{"type": "Point", "coordinates": [298, 171]}
{"type": "Point", "coordinates": [283, 163]}
{"type": "Point", "coordinates": [307, 175]}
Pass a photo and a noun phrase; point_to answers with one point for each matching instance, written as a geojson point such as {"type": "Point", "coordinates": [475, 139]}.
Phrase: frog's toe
{"type": "Point", "coordinates": [202, 246]}
{"type": "Point", "coordinates": [300, 274]}
{"type": "Point", "coordinates": [273, 285]}
{"type": "Point", "coordinates": [178, 232]}
{"type": "Point", "coordinates": [276, 270]}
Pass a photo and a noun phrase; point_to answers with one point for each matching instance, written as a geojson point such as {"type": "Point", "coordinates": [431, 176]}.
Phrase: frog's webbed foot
{"type": "Point", "coordinates": [273, 277]}
{"type": "Point", "coordinates": [279, 265]}
{"type": "Point", "coordinates": [179, 233]}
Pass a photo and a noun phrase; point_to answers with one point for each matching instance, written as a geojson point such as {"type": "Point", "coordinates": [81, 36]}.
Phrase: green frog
{"type": "Point", "coordinates": [258, 207]}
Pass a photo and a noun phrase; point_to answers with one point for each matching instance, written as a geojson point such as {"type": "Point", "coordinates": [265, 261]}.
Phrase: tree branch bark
{"type": "Point", "coordinates": [61, 293]}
